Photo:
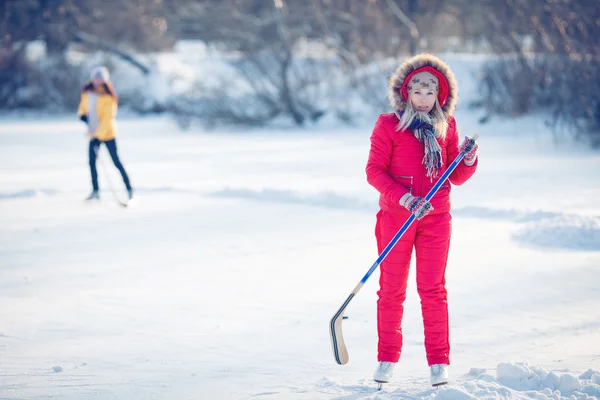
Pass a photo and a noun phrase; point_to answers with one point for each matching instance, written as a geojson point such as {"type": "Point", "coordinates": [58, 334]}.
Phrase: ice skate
{"type": "Point", "coordinates": [438, 374]}
{"type": "Point", "coordinates": [95, 195]}
{"type": "Point", "coordinates": [383, 373]}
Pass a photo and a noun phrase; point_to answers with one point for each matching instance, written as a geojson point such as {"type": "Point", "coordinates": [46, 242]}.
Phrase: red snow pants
{"type": "Point", "coordinates": [430, 237]}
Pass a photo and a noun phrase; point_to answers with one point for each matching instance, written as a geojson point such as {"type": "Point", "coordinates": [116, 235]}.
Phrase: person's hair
{"type": "Point", "coordinates": [434, 117]}
{"type": "Point", "coordinates": [108, 88]}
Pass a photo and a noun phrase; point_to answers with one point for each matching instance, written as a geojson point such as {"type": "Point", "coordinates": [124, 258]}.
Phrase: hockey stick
{"type": "Point", "coordinates": [122, 204]}
{"type": "Point", "coordinates": [340, 352]}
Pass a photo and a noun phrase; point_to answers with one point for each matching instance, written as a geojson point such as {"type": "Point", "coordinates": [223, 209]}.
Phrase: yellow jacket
{"type": "Point", "coordinates": [103, 126]}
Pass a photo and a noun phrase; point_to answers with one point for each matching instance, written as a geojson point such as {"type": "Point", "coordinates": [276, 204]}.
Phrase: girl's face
{"type": "Point", "coordinates": [422, 100]}
{"type": "Point", "coordinates": [97, 82]}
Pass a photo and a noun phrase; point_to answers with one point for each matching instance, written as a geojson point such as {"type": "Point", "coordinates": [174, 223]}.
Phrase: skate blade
{"type": "Point", "coordinates": [381, 385]}
{"type": "Point", "coordinates": [437, 385]}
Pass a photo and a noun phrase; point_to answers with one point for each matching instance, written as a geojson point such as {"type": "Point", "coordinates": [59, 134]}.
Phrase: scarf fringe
{"type": "Point", "coordinates": [433, 153]}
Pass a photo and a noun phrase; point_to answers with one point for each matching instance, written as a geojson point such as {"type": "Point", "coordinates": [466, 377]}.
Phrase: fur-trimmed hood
{"type": "Point", "coordinates": [448, 92]}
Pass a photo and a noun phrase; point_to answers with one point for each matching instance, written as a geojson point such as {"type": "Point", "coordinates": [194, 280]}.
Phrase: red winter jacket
{"type": "Point", "coordinates": [395, 165]}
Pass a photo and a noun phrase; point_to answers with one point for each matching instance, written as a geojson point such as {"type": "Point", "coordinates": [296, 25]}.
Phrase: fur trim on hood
{"type": "Point", "coordinates": [448, 90]}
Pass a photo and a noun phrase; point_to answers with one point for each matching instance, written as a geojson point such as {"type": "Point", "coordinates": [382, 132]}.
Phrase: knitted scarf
{"type": "Point", "coordinates": [433, 152]}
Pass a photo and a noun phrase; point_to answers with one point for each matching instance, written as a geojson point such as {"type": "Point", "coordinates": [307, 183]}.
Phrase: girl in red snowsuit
{"type": "Point", "coordinates": [410, 149]}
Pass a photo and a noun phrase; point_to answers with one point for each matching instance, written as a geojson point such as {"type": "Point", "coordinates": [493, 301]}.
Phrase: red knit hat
{"type": "Point", "coordinates": [443, 84]}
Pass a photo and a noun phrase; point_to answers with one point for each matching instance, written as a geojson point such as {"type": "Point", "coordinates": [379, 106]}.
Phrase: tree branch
{"type": "Point", "coordinates": [80, 36]}
{"type": "Point", "coordinates": [414, 32]}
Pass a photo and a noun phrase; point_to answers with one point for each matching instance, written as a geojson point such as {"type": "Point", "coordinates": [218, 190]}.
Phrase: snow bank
{"type": "Point", "coordinates": [522, 381]}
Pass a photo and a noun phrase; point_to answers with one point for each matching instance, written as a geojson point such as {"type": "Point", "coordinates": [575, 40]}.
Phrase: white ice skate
{"type": "Point", "coordinates": [383, 373]}
{"type": "Point", "coordinates": [439, 374]}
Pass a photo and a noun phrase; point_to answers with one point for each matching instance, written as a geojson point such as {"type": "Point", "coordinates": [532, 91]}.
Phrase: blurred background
{"type": "Point", "coordinates": [258, 62]}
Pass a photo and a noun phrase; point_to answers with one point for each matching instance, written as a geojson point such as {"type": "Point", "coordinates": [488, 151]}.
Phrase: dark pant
{"type": "Point", "coordinates": [111, 145]}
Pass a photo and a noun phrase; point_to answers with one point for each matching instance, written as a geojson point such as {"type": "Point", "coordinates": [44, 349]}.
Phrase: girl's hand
{"type": "Point", "coordinates": [469, 147]}
{"type": "Point", "coordinates": [418, 206]}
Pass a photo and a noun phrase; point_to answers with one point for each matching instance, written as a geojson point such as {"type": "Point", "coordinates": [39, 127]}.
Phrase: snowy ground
{"type": "Point", "coordinates": [220, 282]}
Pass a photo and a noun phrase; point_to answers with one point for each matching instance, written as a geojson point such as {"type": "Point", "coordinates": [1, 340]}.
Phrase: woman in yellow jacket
{"type": "Point", "coordinates": [98, 108]}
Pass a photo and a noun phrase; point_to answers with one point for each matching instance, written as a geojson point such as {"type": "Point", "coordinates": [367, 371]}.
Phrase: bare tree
{"type": "Point", "coordinates": [277, 81]}
{"type": "Point", "coordinates": [550, 56]}
{"type": "Point", "coordinates": [140, 24]}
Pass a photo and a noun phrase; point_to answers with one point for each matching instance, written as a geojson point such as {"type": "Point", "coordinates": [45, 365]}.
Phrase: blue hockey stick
{"type": "Point", "coordinates": [340, 352]}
